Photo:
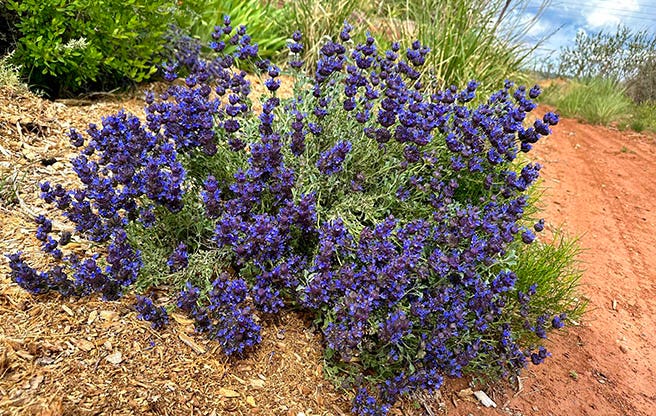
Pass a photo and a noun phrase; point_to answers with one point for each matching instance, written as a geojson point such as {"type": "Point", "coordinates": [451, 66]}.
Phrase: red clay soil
{"type": "Point", "coordinates": [89, 357]}
{"type": "Point", "coordinates": [600, 185]}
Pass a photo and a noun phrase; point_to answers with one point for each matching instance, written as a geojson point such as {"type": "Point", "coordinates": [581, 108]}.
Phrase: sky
{"type": "Point", "coordinates": [568, 17]}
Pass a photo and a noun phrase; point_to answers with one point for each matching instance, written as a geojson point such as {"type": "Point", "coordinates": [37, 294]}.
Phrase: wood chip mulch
{"type": "Point", "coordinates": [87, 357]}
{"type": "Point", "coordinates": [90, 357]}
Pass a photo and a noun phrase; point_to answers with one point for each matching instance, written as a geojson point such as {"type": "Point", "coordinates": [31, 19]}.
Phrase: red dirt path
{"type": "Point", "coordinates": [601, 185]}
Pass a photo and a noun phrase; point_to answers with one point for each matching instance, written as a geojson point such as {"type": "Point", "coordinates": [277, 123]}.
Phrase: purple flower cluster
{"type": "Point", "coordinates": [86, 276]}
{"type": "Point", "coordinates": [156, 315]}
{"type": "Point", "coordinates": [227, 317]}
{"type": "Point", "coordinates": [330, 162]}
{"type": "Point", "coordinates": [179, 259]}
{"type": "Point", "coordinates": [417, 288]}
{"type": "Point", "coordinates": [128, 169]}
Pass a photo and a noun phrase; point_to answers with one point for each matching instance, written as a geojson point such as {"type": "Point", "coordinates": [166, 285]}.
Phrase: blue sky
{"type": "Point", "coordinates": [572, 16]}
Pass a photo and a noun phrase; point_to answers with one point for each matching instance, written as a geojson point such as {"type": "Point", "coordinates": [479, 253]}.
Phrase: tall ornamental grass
{"type": "Point", "coordinates": [399, 219]}
{"type": "Point", "coordinates": [197, 18]}
{"type": "Point", "coordinates": [469, 39]}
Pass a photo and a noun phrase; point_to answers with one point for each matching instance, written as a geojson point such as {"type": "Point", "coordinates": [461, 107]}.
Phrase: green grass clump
{"type": "Point", "coordinates": [555, 269]}
{"type": "Point", "coordinates": [595, 100]}
{"type": "Point", "coordinates": [318, 20]}
{"type": "Point", "coordinates": [643, 117]}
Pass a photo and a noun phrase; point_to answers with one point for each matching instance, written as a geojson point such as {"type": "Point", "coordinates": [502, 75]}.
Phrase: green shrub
{"type": "Point", "coordinates": [643, 117]}
{"type": "Point", "coordinates": [617, 56]}
{"type": "Point", "coordinates": [397, 219]}
{"type": "Point", "coordinates": [67, 46]}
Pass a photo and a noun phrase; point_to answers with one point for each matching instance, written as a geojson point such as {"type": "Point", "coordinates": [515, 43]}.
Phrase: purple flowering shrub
{"type": "Point", "coordinates": [399, 219]}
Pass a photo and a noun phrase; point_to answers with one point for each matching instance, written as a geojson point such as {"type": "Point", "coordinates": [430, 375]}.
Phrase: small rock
{"type": "Point", "coordinates": [484, 399]}
{"type": "Point", "coordinates": [465, 393]}
{"type": "Point", "coordinates": [624, 349]}
{"type": "Point", "coordinates": [115, 357]}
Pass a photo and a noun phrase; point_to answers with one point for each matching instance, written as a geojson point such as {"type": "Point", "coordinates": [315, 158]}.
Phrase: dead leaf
{"type": "Point", "coordinates": [467, 394]}
{"type": "Point", "coordinates": [257, 383]}
{"type": "Point", "coordinates": [36, 382]}
{"type": "Point", "coordinates": [25, 355]}
{"type": "Point", "coordinates": [109, 315]}
{"type": "Point", "coordinates": [68, 310]}
{"type": "Point", "coordinates": [115, 357]}
{"type": "Point", "coordinates": [181, 319]}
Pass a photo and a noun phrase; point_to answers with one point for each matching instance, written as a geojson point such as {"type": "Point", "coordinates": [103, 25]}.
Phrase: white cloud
{"type": "Point", "coordinates": [607, 13]}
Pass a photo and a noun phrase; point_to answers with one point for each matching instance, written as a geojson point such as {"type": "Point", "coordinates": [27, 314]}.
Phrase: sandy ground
{"type": "Point", "coordinates": [89, 357]}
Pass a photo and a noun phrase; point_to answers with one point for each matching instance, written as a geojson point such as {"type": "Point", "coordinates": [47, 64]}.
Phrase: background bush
{"type": "Point", "coordinates": [612, 79]}
{"type": "Point", "coordinates": [642, 86]}
{"type": "Point", "coordinates": [617, 56]}
{"type": "Point", "coordinates": [75, 45]}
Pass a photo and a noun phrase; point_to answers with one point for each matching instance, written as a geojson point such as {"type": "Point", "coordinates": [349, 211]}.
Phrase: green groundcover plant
{"type": "Point", "coordinates": [399, 219]}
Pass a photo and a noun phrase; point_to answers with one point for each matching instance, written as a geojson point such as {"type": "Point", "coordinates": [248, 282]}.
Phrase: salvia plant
{"type": "Point", "coordinates": [394, 216]}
